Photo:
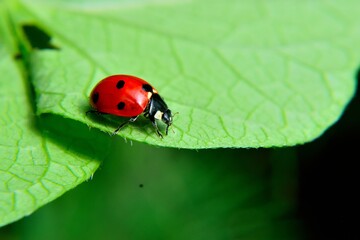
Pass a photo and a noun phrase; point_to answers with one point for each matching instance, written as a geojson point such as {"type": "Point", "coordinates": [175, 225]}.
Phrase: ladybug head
{"type": "Point", "coordinates": [167, 118]}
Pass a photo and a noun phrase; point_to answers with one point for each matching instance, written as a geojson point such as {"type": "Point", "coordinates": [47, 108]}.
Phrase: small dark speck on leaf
{"type": "Point", "coordinates": [18, 56]}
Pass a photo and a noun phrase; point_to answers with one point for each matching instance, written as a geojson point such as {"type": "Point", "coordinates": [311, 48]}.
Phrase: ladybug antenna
{"type": "Point", "coordinates": [175, 114]}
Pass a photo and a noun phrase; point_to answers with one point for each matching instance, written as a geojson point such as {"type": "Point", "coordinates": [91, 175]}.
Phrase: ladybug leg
{"type": "Point", "coordinates": [152, 119]}
{"type": "Point", "coordinates": [167, 129]}
{"type": "Point", "coordinates": [157, 129]}
{"type": "Point", "coordinates": [133, 119]}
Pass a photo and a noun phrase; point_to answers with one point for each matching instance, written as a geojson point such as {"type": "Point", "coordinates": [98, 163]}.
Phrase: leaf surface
{"type": "Point", "coordinates": [241, 74]}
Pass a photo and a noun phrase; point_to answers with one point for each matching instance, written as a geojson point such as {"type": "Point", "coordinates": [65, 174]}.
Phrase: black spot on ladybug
{"type": "Point", "coordinates": [120, 84]}
{"type": "Point", "coordinates": [147, 88]}
{"type": "Point", "coordinates": [95, 97]}
{"type": "Point", "coordinates": [121, 105]}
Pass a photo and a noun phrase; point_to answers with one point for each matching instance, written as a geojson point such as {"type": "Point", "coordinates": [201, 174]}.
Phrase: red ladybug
{"type": "Point", "coordinates": [129, 96]}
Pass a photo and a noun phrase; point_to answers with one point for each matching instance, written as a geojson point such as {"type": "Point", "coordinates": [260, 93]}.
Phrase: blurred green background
{"type": "Point", "coordinates": [146, 192]}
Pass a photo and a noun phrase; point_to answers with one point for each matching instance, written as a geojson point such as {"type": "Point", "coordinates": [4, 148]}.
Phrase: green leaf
{"type": "Point", "coordinates": [241, 74]}
{"type": "Point", "coordinates": [41, 158]}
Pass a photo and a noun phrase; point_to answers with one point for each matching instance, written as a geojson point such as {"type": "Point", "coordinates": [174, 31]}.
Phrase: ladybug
{"type": "Point", "coordinates": [130, 96]}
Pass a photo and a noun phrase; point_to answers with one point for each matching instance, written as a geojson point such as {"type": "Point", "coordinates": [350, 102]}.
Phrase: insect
{"type": "Point", "coordinates": [130, 96]}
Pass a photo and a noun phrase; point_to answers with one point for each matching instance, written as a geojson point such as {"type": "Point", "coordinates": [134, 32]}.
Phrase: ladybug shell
{"type": "Point", "coordinates": [121, 95]}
